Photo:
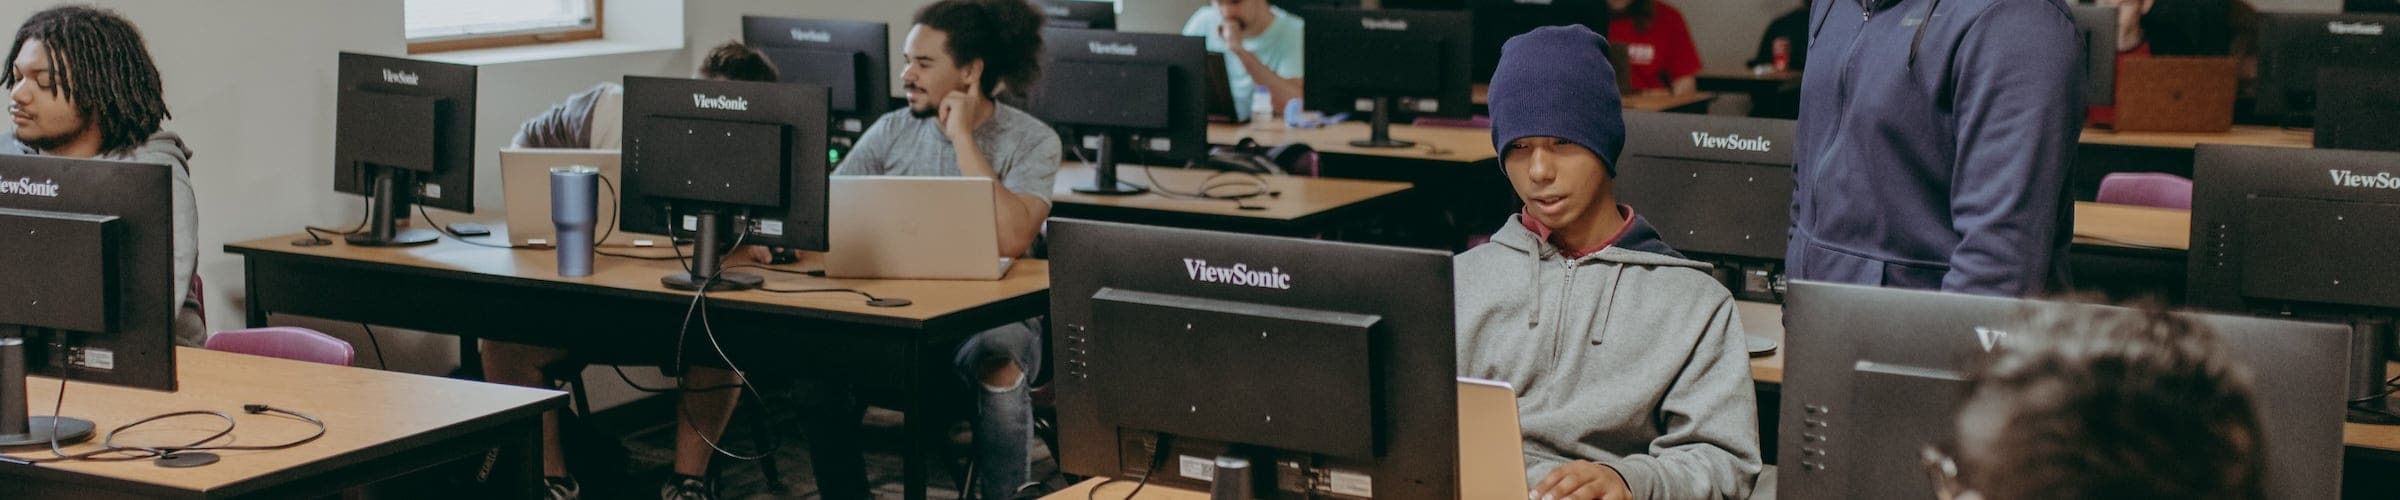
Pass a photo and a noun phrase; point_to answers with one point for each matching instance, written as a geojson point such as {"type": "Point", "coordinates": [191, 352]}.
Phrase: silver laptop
{"type": "Point", "coordinates": [525, 187]}
{"type": "Point", "coordinates": [1491, 456]}
{"type": "Point", "coordinates": [931, 228]}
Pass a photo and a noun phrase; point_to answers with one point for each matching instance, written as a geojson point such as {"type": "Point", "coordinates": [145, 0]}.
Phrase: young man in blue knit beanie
{"type": "Point", "coordinates": [1628, 359]}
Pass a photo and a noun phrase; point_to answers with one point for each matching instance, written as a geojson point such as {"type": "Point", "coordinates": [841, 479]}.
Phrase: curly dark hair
{"type": "Point", "coordinates": [2096, 402]}
{"type": "Point", "coordinates": [99, 62]}
{"type": "Point", "coordinates": [1005, 34]}
{"type": "Point", "coordinates": [737, 62]}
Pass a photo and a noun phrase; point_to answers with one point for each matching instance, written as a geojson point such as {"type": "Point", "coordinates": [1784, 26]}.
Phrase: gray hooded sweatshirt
{"type": "Point", "coordinates": [163, 148]}
{"type": "Point", "coordinates": [1631, 357]}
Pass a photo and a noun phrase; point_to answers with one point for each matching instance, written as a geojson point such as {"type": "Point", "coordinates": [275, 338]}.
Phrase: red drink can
{"type": "Point", "coordinates": [1783, 54]}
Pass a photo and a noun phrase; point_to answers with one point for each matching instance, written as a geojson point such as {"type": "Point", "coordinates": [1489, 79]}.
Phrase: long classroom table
{"type": "Point", "coordinates": [622, 314]}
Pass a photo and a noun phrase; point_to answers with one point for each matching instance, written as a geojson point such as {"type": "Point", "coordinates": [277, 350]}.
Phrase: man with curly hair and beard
{"type": "Point", "coordinates": [961, 55]}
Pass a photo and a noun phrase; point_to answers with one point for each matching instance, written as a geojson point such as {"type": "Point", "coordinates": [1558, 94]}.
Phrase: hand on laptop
{"type": "Point", "coordinates": [1582, 480]}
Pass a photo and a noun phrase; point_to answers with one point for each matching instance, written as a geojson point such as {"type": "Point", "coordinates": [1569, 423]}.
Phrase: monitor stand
{"type": "Point", "coordinates": [1233, 479]}
{"type": "Point", "coordinates": [1380, 128]}
{"type": "Point", "coordinates": [1104, 175]}
{"type": "Point", "coordinates": [17, 428]}
{"type": "Point", "coordinates": [706, 262]}
{"type": "Point", "coordinates": [382, 229]}
{"type": "Point", "coordinates": [2370, 395]}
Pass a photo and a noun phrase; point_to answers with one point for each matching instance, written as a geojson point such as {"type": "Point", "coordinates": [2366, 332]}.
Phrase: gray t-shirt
{"type": "Point", "coordinates": [1022, 149]}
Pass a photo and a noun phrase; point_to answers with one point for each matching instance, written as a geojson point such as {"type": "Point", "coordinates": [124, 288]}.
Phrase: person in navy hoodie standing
{"type": "Point", "coordinates": [1935, 138]}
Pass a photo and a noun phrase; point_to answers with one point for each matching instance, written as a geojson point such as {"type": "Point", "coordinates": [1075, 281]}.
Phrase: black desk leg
{"type": "Point", "coordinates": [470, 358]}
{"type": "Point", "coordinates": [833, 443]}
{"type": "Point", "coordinates": [921, 423]}
{"type": "Point", "coordinates": [256, 305]}
{"type": "Point", "coordinates": [520, 475]}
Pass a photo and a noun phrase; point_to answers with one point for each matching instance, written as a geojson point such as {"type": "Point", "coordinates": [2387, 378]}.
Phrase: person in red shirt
{"type": "Point", "coordinates": [1660, 55]}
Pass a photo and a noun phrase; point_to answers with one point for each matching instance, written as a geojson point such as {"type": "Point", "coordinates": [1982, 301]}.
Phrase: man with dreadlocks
{"type": "Point", "coordinates": [81, 85]}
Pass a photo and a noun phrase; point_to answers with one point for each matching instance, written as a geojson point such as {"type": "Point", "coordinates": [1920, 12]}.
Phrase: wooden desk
{"type": "Point", "coordinates": [2129, 251]}
{"type": "Point", "coordinates": [1748, 81]}
{"type": "Point", "coordinates": [2132, 227]}
{"type": "Point", "coordinates": [1305, 205]}
{"type": "Point", "coordinates": [2384, 439]}
{"type": "Point", "coordinates": [622, 314]}
{"type": "Point", "coordinates": [379, 425]}
{"type": "Point", "coordinates": [1450, 170]}
{"type": "Point", "coordinates": [1637, 102]}
{"type": "Point", "coordinates": [1084, 491]}
{"type": "Point", "coordinates": [1441, 144]}
{"type": "Point", "coordinates": [1696, 102]}
{"type": "Point", "coordinates": [1772, 95]}
{"type": "Point", "coordinates": [1764, 320]}
{"type": "Point", "coordinates": [2241, 135]}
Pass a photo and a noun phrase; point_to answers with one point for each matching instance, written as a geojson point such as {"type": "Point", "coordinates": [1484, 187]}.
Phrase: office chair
{"type": "Point", "coordinates": [285, 342]}
{"type": "Point", "coordinates": [2147, 189]}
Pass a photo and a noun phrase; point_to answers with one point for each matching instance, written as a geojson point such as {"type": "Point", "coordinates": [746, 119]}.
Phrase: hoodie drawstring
{"type": "Point", "coordinates": [1920, 36]}
{"type": "Point", "coordinates": [1599, 318]}
{"type": "Point", "coordinates": [1868, 6]}
{"type": "Point", "coordinates": [1540, 253]}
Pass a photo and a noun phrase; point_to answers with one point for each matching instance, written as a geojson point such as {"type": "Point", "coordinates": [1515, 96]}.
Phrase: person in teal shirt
{"type": "Point", "coordinates": [1268, 57]}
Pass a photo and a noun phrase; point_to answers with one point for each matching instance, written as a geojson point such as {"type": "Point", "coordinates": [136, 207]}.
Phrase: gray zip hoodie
{"type": "Point", "coordinates": [164, 148]}
{"type": "Point", "coordinates": [1631, 357]}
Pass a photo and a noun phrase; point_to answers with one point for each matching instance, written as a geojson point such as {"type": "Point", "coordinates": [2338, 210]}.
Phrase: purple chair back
{"type": "Point", "coordinates": [286, 342]}
{"type": "Point", "coordinates": [2146, 189]}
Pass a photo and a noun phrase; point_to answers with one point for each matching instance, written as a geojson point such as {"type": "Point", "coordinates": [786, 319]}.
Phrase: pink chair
{"type": "Point", "coordinates": [286, 342]}
{"type": "Point", "coordinates": [2146, 189]}
{"type": "Point", "coordinates": [1479, 121]}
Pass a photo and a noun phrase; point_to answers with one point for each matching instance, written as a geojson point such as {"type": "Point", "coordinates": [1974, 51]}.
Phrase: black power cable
{"type": "Point", "coordinates": [108, 444]}
{"type": "Point", "coordinates": [366, 213]}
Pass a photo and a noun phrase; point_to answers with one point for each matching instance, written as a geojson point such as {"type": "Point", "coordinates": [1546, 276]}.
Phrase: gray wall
{"type": "Point", "coordinates": [1727, 31]}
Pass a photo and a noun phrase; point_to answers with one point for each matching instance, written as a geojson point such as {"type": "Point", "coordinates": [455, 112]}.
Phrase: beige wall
{"type": "Point", "coordinates": [1727, 31]}
{"type": "Point", "coordinates": [1157, 16]}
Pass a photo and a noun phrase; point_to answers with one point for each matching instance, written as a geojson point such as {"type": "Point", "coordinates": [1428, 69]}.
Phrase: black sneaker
{"type": "Point", "coordinates": [1033, 491]}
{"type": "Point", "coordinates": [562, 488]}
{"type": "Point", "coordinates": [687, 488]}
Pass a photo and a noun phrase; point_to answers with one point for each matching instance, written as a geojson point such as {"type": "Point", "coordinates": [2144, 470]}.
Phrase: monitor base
{"type": "Point", "coordinates": [400, 238]}
{"type": "Point", "coordinates": [2375, 412]}
{"type": "Point", "coordinates": [725, 282]}
{"type": "Point", "coordinates": [1759, 347]}
{"type": "Point", "coordinates": [1382, 144]}
{"type": "Point", "coordinates": [1121, 189]}
{"type": "Point", "coordinates": [68, 430]}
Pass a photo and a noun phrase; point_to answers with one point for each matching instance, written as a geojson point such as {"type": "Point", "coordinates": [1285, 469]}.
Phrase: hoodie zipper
{"type": "Point", "coordinates": [1842, 90]}
{"type": "Point", "coordinates": [1558, 318]}
{"type": "Point", "coordinates": [1566, 288]}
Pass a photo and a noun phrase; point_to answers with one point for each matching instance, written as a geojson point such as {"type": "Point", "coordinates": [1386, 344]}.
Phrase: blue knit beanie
{"type": "Point", "coordinates": [1556, 82]}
